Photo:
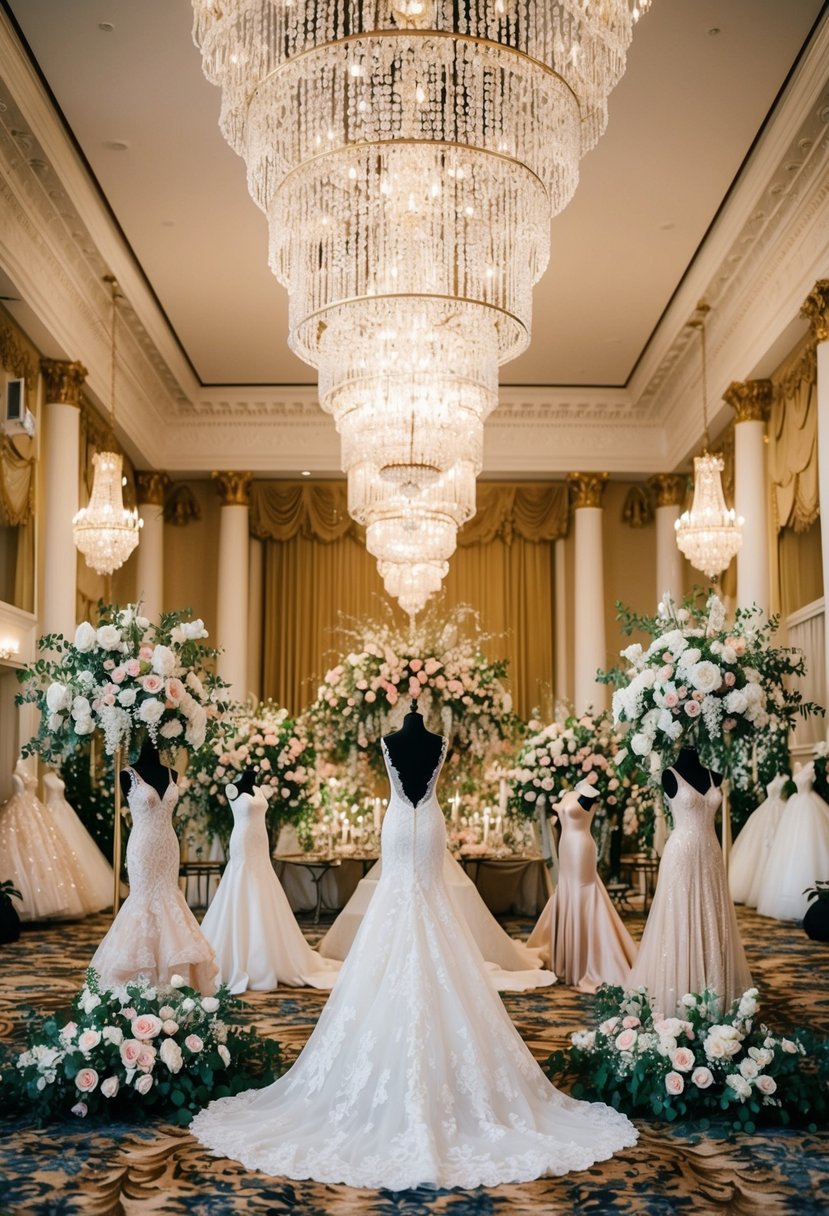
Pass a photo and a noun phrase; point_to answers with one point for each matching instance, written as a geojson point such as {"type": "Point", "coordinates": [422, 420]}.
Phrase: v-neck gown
{"type": "Point", "coordinates": [414, 1074]}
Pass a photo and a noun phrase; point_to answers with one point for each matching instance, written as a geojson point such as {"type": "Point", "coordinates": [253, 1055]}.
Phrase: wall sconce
{"type": "Point", "coordinates": [9, 649]}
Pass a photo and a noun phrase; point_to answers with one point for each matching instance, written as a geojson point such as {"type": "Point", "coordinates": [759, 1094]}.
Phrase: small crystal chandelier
{"type": "Point", "coordinates": [710, 533]}
{"type": "Point", "coordinates": [105, 531]}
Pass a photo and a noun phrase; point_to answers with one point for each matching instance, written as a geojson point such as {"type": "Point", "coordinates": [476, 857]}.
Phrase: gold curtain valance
{"type": "Point", "coordinates": [16, 485]}
{"type": "Point", "coordinates": [534, 511]}
{"type": "Point", "coordinates": [793, 458]}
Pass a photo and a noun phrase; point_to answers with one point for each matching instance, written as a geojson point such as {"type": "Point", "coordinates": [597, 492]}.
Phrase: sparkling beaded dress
{"type": "Point", "coordinates": [799, 853]}
{"type": "Point", "coordinates": [579, 932]}
{"type": "Point", "coordinates": [155, 934]}
{"type": "Point", "coordinates": [250, 925]}
{"type": "Point", "coordinates": [36, 857]}
{"type": "Point", "coordinates": [93, 873]}
{"type": "Point", "coordinates": [691, 940]}
{"type": "Point", "coordinates": [414, 1074]}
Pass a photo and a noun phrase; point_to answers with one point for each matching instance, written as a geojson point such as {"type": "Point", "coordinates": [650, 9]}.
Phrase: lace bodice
{"type": "Point", "coordinates": [804, 778]}
{"type": "Point", "coordinates": [413, 839]}
{"type": "Point", "coordinates": [249, 838]}
{"type": "Point", "coordinates": [774, 789]}
{"type": "Point", "coordinates": [152, 851]}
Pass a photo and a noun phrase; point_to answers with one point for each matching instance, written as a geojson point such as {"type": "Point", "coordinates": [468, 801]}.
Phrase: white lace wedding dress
{"type": "Point", "coordinates": [414, 1074]}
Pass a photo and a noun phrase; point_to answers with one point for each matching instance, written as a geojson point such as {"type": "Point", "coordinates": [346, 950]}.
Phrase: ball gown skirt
{"type": "Point", "coordinates": [691, 940]}
{"type": "Point", "coordinates": [799, 853]}
{"type": "Point", "coordinates": [579, 933]}
{"type": "Point", "coordinates": [94, 877]}
{"type": "Point", "coordinates": [155, 934]}
{"type": "Point", "coordinates": [35, 856]}
{"type": "Point", "coordinates": [249, 923]}
{"type": "Point", "coordinates": [414, 1074]}
{"type": "Point", "coordinates": [752, 848]}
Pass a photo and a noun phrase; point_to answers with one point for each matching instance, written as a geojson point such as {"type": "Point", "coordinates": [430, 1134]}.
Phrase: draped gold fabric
{"type": "Point", "coordinates": [317, 568]}
{"type": "Point", "coordinates": [801, 567]}
{"type": "Point", "coordinates": [793, 457]}
{"type": "Point", "coordinates": [17, 484]}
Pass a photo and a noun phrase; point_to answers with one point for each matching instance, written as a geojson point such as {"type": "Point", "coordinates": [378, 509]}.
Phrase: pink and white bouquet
{"type": "Point", "coordinates": [702, 683]}
{"type": "Point", "coordinates": [559, 756]}
{"type": "Point", "coordinates": [126, 678]}
{"type": "Point", "coordinates": [136, 1048]}
{"type": "Point", "coordinates": [702, 1061]}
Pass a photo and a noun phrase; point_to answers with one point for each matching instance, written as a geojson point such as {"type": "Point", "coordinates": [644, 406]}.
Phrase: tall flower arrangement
{"type": "Point", "coordinates": [126, 678]}
{"type": "Point", "coordinates": [263, 737]}
{"type": "Point", "coordinates": [703, 683]}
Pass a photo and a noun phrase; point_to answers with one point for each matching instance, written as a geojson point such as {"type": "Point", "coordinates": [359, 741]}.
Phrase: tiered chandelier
{"type": "Point", "coordinates": [409, 156]}
{"type": "Point", "coordinates": [105, 531]}
{"type": "Point", "coordinates": [710, 533]}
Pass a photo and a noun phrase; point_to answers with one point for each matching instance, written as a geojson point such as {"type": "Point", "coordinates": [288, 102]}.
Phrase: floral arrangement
{"type": "Point", "coordinates": [460, 692]}
{"type": "Point", "coordinates": [702, 683]}
{"type": "Point", "coordinates": [268, 740]}
{"type": "Point", "coordinates": [699, 1063]}
{"type": "Point", "coordinates": [128, 679]}
{"type": "Point", "coordinates": [639, 814]}
{"type": "Point", "coordinates": [559, 756]}
{"type": "Point", "coordinates": [138, 1048]}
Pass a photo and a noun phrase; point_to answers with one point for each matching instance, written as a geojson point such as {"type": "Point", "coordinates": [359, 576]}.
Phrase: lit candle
{"type": "Point", "coordinates": [486, 824]}
{"type": "Point", "coordinates": [377, 814]}
{"type": "Point", "coordinates": [502, 797]}
{"type": "Point", "coordinates": [344, 838]}
{"type": "Point", "coordinates": [456, 808]}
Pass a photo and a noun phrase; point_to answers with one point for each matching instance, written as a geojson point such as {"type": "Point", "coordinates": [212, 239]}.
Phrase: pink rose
{"type": "Point", "coordinates": [630, 1021]}
{"type": "Point", "coordinates": [422, 678]}
{"type": "Point", "coordinates": [702, 1077]}
{"type": "Point", "coordinates": [766, 1085]}
{"type": "Point", "coordinates": [118, 676]}
{"type": "Point", "coordinates": [683, 1059]}
{"type": "Point", "coordinates": [89, 1039]}
{"type": "Point", "coordinates": [109, 699]}
{"type": "Point", "coordinates": [109, 664]}
{"type": "Point", "coordinates": [80, 1109]}
{"type": "Point", "coordinates": [145, 653]}
{"type": "Point", "coordinates": [391, 696]}
{"type": "Point", "coordinates": [674, 1083]}
{"type": "Point", "coordinates": [152, 683]}
{"type": "Point", "coordinates": [692, 709]}
{"type": "Point", "coordinates": [626, 1039]}
{"type": "Point", "coordinates": [415, 664]}
{"type": "Point", "coordinates": [132, 668]}
{"type": "Point", "coordinates": [169, 1026]}
{"type": "Point", "coordinates": [130, 1050]}
{"type": "Point", "coordinates": [144, 1083]}
{"type": "Point", "coordinates": [371, 696]}
{"type": "Point", "coordinates": [670, 700]}
{"type": "Point", "coordinates": [146, 1027]}
{"type": "Point", "coordinates": [86, 1079]}
{"type": "Point", "coordinates": [174, 689]}
{"type": "Point", "coordinates": [146, 1058]}
{"type": "Point", "coordinates": [193, 1043]}
{"type": "Point", "coordinates": [110, 1087]}
{"type": "Point", "coordinates": [729, 679]}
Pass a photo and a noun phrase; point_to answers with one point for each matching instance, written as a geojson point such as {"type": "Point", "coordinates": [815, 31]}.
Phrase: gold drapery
{"type": "Point", "coordinates": [316, 567]}
{"type": "Point", "coordinates": [793, 441]}
{"type": "Point", "coordinates": [800, 564]}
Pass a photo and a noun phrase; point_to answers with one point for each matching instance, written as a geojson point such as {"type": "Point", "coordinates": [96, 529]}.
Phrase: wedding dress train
{"type": "Point", "coordinates": [414, 1074]}
{"type": "Point", "coordinates": [93, 875]}
{"type": "Point", "coordinates": [752, 848]}
{"type": "Point", "coordinates": [799, 852]}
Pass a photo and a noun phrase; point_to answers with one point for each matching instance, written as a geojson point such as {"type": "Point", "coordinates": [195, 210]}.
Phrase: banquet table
{"type": "Point", "coordinates": [517, 882]}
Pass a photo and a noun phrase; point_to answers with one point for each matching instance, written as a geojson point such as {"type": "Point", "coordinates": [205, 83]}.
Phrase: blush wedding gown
{"type": "Point", "coordinates": [155, 934]}
{"type": "Point", "coordinates": [752, 848]}
{"type": "Point", "coordinates": [249, 923]}
{"type": "Point", "coordinates": [691, 940]}
{"type": "Point", "coordinates": [579, 932]}
{"type": "Point", "coordinates": [94, 879]}
{"type": "Point", "coordinates": [414, 1074]}
{"type": "Point", "coordinates": [799, 852]}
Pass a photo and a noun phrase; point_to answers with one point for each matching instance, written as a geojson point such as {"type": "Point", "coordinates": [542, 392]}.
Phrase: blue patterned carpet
{"type": "Point", "coordinates": [138, 1170]}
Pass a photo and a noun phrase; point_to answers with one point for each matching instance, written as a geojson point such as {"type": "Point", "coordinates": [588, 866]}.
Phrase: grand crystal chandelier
{"type": "Point", "coordinates": [710, 533]}
{"type": "Point", "coordinates": [105, 531]}
{"type": "Point", "coordinates": [409, 156]}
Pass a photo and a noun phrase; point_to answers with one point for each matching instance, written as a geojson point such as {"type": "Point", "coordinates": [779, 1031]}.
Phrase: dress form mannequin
{"type": "Point", "coordinates": [415, 752]}
{"type": "Point", "coordinates": [688, 765]}
{"type": "Point", "coordinates": [243, 784]}
{"type": "Point", "coordinates": [149, 769]}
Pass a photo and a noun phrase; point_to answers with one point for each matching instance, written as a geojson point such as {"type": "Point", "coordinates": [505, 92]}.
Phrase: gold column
{"type": "Point", "coordinates": [233, 488]}
{"type": "Point", "coordinates": [63, 385]}
{"type": "Point", "coordinates": [668, 489]}
{"type": "Point", "coordinates": [63, 381]}
{"type": "Point", "coordinates": [586, 489]}
{"type": "Point", "coordinates": [151, 487]}
{"type": "Point", "coordinates": [816, 310]}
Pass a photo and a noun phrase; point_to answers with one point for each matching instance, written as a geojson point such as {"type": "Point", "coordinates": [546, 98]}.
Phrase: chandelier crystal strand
{"type": "Point", "coordinates": [409, 156]}
{"type": "Point", "coordinates": [710, 534]}
{"type": "Point", "coordinates": [105, 531]}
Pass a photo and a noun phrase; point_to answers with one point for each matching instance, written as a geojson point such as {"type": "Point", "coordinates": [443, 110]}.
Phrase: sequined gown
{"type": "Point", "coordinates": [250, 925]}
{"type": "Point", "coordinates": [691, 940]}
{"type": "Point", "coordinates": [414, 1074]}
{"type": "Point", "coordinates": [36, 857]}
{"type": "Point", "coordinates": [579, 932]}
{"type": "Point", "coordinates": [93, 873]}
{"type": "Point", "coordinates": [155, 934]}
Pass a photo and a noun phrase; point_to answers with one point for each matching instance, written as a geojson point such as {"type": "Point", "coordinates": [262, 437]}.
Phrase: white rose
{"type": "Point", "coordinates": [209, 1004]}
{"type": "Point", "coordinates": [163, 661]}
{"type": "Point", "coordinates": [224, 1053]}
{"type": "Point", "coordinates": [109, 638]}
{"type": "Point", "coordinates": [171, 729]}
{"type": "Point", "coordinates": [57, 697]}
{"type": "Point", "coordinates": [150, 710]}
{"type": "Point", "coordinates": [127, 697]}
{"type": "Point", "coordinates": [740, 1086]}
{"type": "Point", "coordinates": [170, 1054]}
{"type": "Point", "coordinates": [110, 1087]}
{"type": "Point", "coordinates": [640, 744]}
{"type": "Point", "coordinates": [736, 702]}
{"type": "Point", "coordinates": [114, 1035]}
{"type": "Point", "coordinates": [81, 708]}
{"type": "Point", "coordinates": [706, 676]}
{"type": "Point", "coordinates": [84, 726]}
{"type": "Point", "coordinates": [54, 721]}
{"type": "Point", "coordinates": [85, 639]}
{"type": "Point", "coordinates": [144, 1083]}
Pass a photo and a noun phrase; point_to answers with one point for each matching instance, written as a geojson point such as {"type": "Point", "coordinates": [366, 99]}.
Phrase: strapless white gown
{"type": "Point", "coordinates": [93, 873]}
{"type": "Point", "coordinates": [752, 848]}
{"type": "Point", "coordinates": [414, 1074]}
{"type": "Point", "coordinates": [799, 852]}
{"type": "Point", "coordinates": [249, 924]}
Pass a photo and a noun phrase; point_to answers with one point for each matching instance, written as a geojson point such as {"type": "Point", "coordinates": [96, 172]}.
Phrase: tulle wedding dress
{"type": "Point", "coordinates": [752, 848]}
{"type": "Point", "coordinates": [35, 855]}
{"type": "Point", "coordinates": [93, 874]}
{"type": "Point", "coordinates": [249, 923]}
{"type": "Point", "coordinates": [155, 934]}
{"type": "Point", "coordinates": [579, 932]}
{"type": "Point", "coordinates": [414, 1074]}
{"type": "Point", "coordinates": [691, 939]}
{"type": "Point", "coordinates": [513, 966]}
{"type": "Point", "coordinates": [799, 853]}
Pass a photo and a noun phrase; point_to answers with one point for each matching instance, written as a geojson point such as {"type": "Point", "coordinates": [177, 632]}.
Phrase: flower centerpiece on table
{"type": "Point", "coordinates": [704, 1063]}
{"type": "Point", "coordinates": [702, 683]}
{"type": "Point", "coordinates": [126, 678]}
{"type": "Point", "coordinates": [262, 737]}
{"type": "Point", "coordinates": [134, 1049]}
{"type": "Point", "coordinates": [459, 690]}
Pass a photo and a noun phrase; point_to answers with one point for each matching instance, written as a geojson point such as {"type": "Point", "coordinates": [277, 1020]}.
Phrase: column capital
{"type": "Point", "coordinates": [151, 487]}
{"type": "Point", "coordinates": [668, 489]}
{"type": "Point", "coordinates": [815, 309]}
{"type": "Point", "coordinates": [64, 381]}
{"type": "Point", "coordinates": [233, 488]}
{"type": "Point", "coordinates": [586, 489]}
{"type": "Point", "coordinates": [750, 399]}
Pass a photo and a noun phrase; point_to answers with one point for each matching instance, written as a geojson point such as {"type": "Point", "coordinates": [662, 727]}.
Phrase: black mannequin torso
{"type": "Point", "coordinates": [149, 769]}
{"type": "Point", "coordinates": [245, 783]}
{"type": "Point", "coordinates": [688, 765]}
{"type": "Point", "coordinates": [414, 751]}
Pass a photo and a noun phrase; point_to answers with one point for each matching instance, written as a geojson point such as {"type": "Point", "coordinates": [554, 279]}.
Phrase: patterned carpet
{"type": "Point", "coordinates": [132, 1170]}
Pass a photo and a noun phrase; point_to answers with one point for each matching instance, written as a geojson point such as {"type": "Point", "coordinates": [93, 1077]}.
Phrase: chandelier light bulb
{"type": "Point", "coordinates": [105, 531]}
{"type": "Point", "coordinates": [711, 533]}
